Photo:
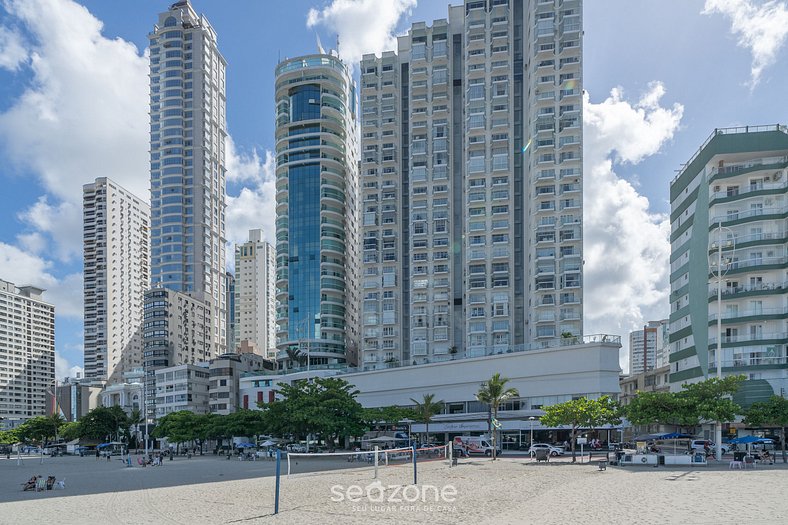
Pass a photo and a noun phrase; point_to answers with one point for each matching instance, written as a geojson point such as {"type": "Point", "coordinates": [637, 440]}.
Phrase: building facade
{"type": "Point", "coordinates": [729, 203]}
{"type": "Point", "coordinates": [471, 176]}
{"type": "Point", "coordinates": [317, 238]}
{"type": "Point", "coordinates": [27, 353]}
{"type": "Point", "coordinates": [255, 294]}
{"type": "Point", "coordinates": [176, 331]}
{"type": "Point", "coordinates": [586, 367]}
{"type": "Point", "coordinates": [182, 387]}
{"type": "Point", "coordinates": [116, 249]}
{"type": "Point", "coordinates": [646, 346]}
{"type": "Point", "coordinates": [74, 398]}
{"type": "Point", "coordinates": [230, 293]}
{"type": "Point", "coordinates": [225, 372]}
{"type": "Point", "coordinates": [188, 129]}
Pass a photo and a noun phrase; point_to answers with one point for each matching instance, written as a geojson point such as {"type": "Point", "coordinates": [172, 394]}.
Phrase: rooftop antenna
{"type": "Point", "coordinates": [319, 44]}
{"type": "Point", "coordinates": [337, 45]}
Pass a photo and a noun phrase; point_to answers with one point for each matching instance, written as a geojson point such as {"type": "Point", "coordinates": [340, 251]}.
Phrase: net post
{"type": "Point", "coordinates": [278, 472]}
{"type": "Point", "coordinates": [415, 478]}
{"type": "Point", "coordinates": [376, 463]}
{"type": "Point", "coordinates": [288, 464]}
{"type": "Point", "coordinates": [386, 457]}
{"type": "Point", "coordinates": [450, 454]}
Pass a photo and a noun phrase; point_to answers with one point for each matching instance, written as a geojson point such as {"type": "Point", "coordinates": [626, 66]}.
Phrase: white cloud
{"type": "Point", "coordinates": [255, 205]}
{"type": "Point", "coordinates": [760, 27]}
{"type": "Point", "coordinates": [12, 49]}
{"type": "Point", "coordinates": [21, 268]}
{"type": "Point", "coordinates": [62, 224]}
{"type": "Point", "coordinates": [627, 250]}
{"type": "Point", "coordinates": [64, 368]}
{"type": "Point", "coordinates": [363, 26]}
{"type": "Point", "coordinates": [84, 114]}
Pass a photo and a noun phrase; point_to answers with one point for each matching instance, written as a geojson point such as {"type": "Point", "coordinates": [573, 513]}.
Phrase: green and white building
{"type": "Point", "coordinates": [732, 192]}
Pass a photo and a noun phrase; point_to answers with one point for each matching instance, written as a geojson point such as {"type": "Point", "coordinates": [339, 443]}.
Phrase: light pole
{"type": "Point", "coordinates": [718, 355]}
{"type": "Point", "coordinates": [531, 419]}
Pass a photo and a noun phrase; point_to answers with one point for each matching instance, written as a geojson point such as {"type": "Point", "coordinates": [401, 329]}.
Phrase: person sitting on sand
{"type": "Point", "coordinates": [31, 484]}
{"type": "Point", "coordinates": [767, 458]}
{"type": "Point", "coordinates": [50, 482]}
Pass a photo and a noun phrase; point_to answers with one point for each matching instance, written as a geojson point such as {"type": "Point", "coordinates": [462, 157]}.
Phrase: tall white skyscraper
{"type": "Point", "coordinates": [471, 176]}
{"type": "Point", "coordinates": [255, 294]}
{"type": "Point", "coordinates": [27, 353]}
{"type": "Point", "coordinates": [317, 210]}
{"type": "Point", "coordinates": [188, 129]}
{"type": "Point", "coordinates": [116, 248]}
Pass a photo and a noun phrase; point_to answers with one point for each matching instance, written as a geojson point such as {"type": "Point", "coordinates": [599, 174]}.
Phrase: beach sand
{"type": "Point", "coordinates": [505, 491]}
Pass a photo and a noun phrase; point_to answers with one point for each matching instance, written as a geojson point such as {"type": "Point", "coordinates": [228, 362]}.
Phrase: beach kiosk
{"type": "Point", "coordinates": [663, 449]}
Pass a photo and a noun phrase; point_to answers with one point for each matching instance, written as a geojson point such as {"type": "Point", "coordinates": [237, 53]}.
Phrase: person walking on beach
{"type": "Point", "coordinates": [98, 454]}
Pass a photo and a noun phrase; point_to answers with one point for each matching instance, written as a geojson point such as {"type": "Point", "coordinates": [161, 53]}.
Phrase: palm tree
{"type": "Point", "coordinates": [493, 392]}
{"type": "Point", "coordinates": [295, 355]}
{"type": "Point", "coordinates": [426, 409]}
{"type": "Point", "coordinates": [135, 419]}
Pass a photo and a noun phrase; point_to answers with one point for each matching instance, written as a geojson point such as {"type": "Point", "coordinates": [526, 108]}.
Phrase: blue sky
{"type": "Point", "coordinates": [659, 76]}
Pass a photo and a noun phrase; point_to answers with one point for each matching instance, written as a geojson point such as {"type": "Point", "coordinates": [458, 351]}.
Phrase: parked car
{"type": "Point", "coordinates": [296, 448]}
{"type": "Point", "coordinates": [700, 445]}
{"type": "Point", "coordinates": [554, 451]}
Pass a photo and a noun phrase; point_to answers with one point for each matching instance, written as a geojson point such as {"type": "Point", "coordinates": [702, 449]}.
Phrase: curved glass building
{"type": "Point", "coordinates": [317, 244]}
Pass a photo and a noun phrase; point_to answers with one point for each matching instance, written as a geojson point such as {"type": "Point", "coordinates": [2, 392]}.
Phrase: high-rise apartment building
{"type": "Point", "coordinates": [188, 129]}
{"type": "Point", "coordinates": [176, 331]}
{"type": "Point", "coordinates": [646, 346]}
{"type": "Point", "coordinates": [27, 353]}
{"type": "Point", "coordinates": [255, 295]}
{"type": "Point", "coordinates": [317, 209]}
{"type": "Point", "coordinates": [116, 248]}
{"type": "Point", "coordinates": [471, 176]}
{"type": "Point", "coordinates": [732, 195]}
{"type": "Point", "coordinates": [229, 289]}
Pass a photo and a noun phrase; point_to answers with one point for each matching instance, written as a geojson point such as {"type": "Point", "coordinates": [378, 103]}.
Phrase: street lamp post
{"type": "Point", "coordinates": [718, 354]}
{"type": "Point", "coordinates": [531, 419]}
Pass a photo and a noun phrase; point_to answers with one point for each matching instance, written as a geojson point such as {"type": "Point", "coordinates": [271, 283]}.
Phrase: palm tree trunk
{"type": "Point", "coordinates": [495, 416]}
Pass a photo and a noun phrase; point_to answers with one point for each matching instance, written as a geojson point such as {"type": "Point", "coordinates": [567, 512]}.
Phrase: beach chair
{"type": "Point", "coordinates": [41, 484]}
{"type": "Point", "coordinates": [749, 461]}
{"type": "Point", "coordinates": [542, 455]}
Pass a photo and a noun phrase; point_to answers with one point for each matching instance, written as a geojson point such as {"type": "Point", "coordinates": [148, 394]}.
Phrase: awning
{"type": "Point", "coordinates": [245, 445]}
{"type": "Point", "coordinates": [750, 439]}
{"type": "Point", "coordinates": [670, 435]}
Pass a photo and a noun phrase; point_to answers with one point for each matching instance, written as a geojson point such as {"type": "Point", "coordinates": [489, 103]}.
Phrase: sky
{"type": "Point", "coordinates": [658, 76]}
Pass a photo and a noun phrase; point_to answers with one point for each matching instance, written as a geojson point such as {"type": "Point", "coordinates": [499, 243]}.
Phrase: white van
{"type": "Point", "coordinates": [476, 445]}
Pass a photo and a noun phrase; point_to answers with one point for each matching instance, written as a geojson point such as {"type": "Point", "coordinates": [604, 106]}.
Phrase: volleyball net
{"type": "Point", "coordinates": [366, 461]}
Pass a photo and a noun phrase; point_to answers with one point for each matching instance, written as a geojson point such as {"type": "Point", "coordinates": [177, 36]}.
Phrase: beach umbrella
{"type": "Point", "coordinates": [268, 443]}
{"type": "Point", "coordinates": [246, 445]}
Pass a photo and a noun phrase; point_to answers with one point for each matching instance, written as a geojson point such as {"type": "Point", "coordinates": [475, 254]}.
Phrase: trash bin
{"type": "Point", "coordinates": [661, 459]}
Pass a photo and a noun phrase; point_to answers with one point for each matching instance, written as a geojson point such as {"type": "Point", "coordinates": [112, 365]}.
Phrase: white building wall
{"type": "Point", "coordinates": [116, 247]}
{"type": "Point", "coordinates": [27, 353]}
{"type": "Point", "coordinates": [255, 296]}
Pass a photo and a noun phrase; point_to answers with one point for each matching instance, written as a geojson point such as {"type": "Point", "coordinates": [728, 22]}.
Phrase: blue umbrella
{"type": "Point", "coordinates": [746, 440]}
{"type": "Point", "coordinates": [245, 445]}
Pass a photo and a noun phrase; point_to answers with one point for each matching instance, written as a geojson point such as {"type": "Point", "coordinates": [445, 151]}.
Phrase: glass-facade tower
{"type": "Point", "coordinates": [188, 129]}
{"type": "Point", "coordinates": [317, 211]}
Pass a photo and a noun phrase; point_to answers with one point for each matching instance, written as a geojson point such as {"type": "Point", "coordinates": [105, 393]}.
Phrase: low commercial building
{"type": "Point", "coordinates": [225, 372]}
{"type": "Point", "coordinates": [74, 398]}
{"type": "Point", "coordinates": [542, 376]}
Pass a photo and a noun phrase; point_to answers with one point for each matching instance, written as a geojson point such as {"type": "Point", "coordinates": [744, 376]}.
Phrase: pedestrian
{"type": "Point", "coordinates": [98, 454]}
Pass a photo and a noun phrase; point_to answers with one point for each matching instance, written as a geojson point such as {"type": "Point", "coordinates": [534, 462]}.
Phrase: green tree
{"type": "Point", "coordinates": [707, 400]}
{"type": "Point", "coordinates": [425, 410]}
{"type": "Point", "coordinates": [40, 428]}
{"type": "Point", "coordinates": [178, 427]}
{"type": "Point", "coordinates": [493, 392]}
{"type": "Point", "coordinates": [582, 413]}
{"type": "Point", "coordinates": [104, 423]}
{"type": "Point", "coordinates": [70, 431]}
{"type": "Point", "coordinates": [325, 406]}
{"type": "Point", "coordinates": [773, 413]}
{"type": "Point", "coordinates": [386, 416]}
{"type": "Point", "coordinates": [9, 437]}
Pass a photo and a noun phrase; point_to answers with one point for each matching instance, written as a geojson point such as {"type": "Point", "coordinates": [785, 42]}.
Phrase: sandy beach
{"type": "Point", "coordinates": [506, 491]}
